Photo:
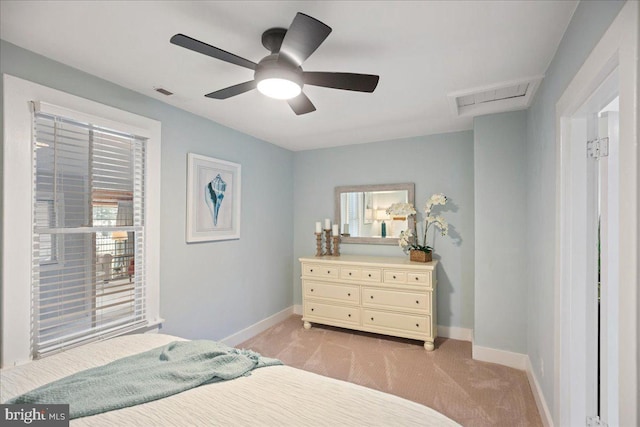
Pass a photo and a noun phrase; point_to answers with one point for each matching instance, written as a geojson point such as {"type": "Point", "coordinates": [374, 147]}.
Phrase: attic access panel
{"type": "Point", "coordinates": [497, 98]}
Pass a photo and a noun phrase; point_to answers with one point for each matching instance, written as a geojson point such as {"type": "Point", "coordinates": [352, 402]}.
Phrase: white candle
{"type": "Point", "coordinates": [327, 224]}
{"type": "Point", "coordinates": [345, 229]}
{"type": "Point", "coordinates": [336, 229]}
{"type": "Point", "coordinates": [318, 227]}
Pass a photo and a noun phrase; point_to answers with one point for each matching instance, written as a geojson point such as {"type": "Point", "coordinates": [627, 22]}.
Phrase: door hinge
{"type": "Point", "coordinates": [597, 148]}
{"type": "Point", "coordinates": [595, 421]}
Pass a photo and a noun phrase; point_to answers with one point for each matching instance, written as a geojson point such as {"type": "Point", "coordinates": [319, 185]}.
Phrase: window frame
{"type": "Point", "coordinates": [18, 159]}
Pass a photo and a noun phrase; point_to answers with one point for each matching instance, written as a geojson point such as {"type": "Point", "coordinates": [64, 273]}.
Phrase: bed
{"type": "Point", "coordinates": [270, 396]}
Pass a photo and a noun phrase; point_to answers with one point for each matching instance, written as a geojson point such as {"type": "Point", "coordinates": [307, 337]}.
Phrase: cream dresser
{"type": "Point", "coordinates": [384, 295]}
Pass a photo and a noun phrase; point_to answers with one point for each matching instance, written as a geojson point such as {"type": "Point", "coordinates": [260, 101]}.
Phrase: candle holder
{"type": "Point", "coordinates": [318, 244]}
{"type": "Point", "coordinates": [327, 241]}
{"type": "Point", "coordinates": [336, 245]}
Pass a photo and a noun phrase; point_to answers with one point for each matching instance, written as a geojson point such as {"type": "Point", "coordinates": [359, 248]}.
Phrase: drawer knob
{"type": "Point", "coordinates": [394, 277]}
{"type": "Point", "coordinates": [369, 274]}
{"type": "Point", "coordinates": [311, 270]}
{"type": "Point", "coordinates": [372, 318]}
{"type": "Point", "coordinates": [349, 314]}
{"type": "Point", "coordinates": [371, 296]}
{"type": "Point", "coordinates": [417, 325]}
{"type": "Point", "coordinates": [312, 309]}
{"type": "Point", "coordinates": [416, 278]}
{"type": "Point", "coordinates": [328, 271]}
{"type": "Point", "coordinates": [312, 291]}
{"type": "Point", "coordinates": [348, 294]}
{"type": "Point", "coordinates": [417, 301]}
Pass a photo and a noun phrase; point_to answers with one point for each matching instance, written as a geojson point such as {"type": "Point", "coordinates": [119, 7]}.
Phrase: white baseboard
{"type": "Point", "coordinates": [297, 309]}
{"type": "Point", "coordinates": [543, 409]}
{"type": "Point", "coordinates": [501, 357]}
{"type": "Point", "coordinates": [456, 333]}
{"type": "Point", "coordinates": [256, 328]}
{"type": "Point", "coordinates": [518, 361]}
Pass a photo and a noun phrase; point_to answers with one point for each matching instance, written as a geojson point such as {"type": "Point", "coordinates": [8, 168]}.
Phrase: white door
{"type": "Point", "coordinates": [591, 253]}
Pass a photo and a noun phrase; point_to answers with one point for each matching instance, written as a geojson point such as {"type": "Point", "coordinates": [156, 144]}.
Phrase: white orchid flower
{"type": "Point", "coordinates": [401, 209]}
{"type": "Point", "coordinates": [408, 239]}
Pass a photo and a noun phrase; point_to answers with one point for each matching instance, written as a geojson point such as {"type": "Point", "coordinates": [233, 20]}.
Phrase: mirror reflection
{"type": "Point", "coordinates": [361, 211]}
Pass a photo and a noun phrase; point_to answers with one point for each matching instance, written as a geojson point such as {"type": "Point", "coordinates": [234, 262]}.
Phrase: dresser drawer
{"type": "Point", "coordinates": [401, 322]}
{"type": "Point", "coordinates": [371, 275]}
{"type": "Point", "coordinates": [408, 277]}
{"type": "Point", "coordinates": [332, 291]}
{"type": "Point", "coordinates": [391, 276]}
{"type": "Point", "coordinates": [361, 274]}
{"type": "Point", "coordinates": [319, 270]}
{"type": "Point", "coordinates": [313, 309]}
{"type": "Point", "coordinates": [350, 273]}
{"type": "Point", "coordinates": [381, 298]}
{"type": "Point", "coordinates": [419, 278]}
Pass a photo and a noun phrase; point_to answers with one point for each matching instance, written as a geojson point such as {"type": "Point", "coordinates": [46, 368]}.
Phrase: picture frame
{"type": "Point", "coordinates": [213, 199]}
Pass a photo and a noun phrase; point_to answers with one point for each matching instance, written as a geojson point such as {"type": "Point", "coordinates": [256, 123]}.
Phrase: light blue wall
{"type": "Point", "coordinates": [500, 229]}
{"type": "Point", "coordinates": [207, 290]}
{"type": "Point", "coordinates": [436, 163]}
{"type": "Point", "coordinates": [589, 22]}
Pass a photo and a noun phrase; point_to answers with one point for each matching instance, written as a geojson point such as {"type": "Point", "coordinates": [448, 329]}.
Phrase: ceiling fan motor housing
{"type": "Point", "coordinates": [271, 68]}
{"type": "Point", "coordinates": [272, 39]}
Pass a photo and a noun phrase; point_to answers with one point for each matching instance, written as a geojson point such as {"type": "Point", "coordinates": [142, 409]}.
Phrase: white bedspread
{"type": "Point", "coordinates": [272, 396]}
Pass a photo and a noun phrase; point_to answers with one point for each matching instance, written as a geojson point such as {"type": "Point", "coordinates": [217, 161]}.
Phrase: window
{"type": "Point", "coordinates": [89, 196]}
{"type": "Point", "coordinates": [59, 232]}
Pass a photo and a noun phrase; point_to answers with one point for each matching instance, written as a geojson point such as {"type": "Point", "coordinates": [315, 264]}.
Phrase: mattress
{"type": "Point", "coordinates": [271, 396]}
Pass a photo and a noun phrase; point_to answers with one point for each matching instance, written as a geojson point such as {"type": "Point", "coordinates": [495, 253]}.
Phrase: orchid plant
{"type": "Point", "coordinates": [409, 238]}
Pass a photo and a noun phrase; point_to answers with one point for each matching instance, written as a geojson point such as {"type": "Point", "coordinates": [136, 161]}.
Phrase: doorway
{"type": "Point", "coordinates": [597, 235]}
{"type": "Point", "coordinates": [589, 267]}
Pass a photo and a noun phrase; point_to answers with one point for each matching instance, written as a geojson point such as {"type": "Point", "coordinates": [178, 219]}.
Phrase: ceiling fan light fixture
{"type": "Point", "coordinates": [279, 88]}
{"type": "Point", "coordinates": [277, 79]}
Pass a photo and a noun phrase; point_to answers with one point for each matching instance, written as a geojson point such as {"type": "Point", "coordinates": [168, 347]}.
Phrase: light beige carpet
{"type": "Point", "coordinates": [470, 392]}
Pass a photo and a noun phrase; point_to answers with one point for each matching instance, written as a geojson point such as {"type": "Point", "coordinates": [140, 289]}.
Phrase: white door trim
{"type": "Point", "coordinates": [617, 48]}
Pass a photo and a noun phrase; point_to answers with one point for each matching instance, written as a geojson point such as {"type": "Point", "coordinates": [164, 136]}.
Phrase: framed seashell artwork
{"type": "Point", "coordinates": [213, 199]}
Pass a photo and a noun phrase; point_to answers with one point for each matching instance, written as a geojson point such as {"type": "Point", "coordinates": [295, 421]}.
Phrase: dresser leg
{"type": "Point", "coordinates": [428, 345]}
{"type": "Point", "coordinates": [307, 325]}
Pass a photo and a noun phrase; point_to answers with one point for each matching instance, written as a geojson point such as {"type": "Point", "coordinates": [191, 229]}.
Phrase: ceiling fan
{"type": "Point", "coordinates": [279, 75]}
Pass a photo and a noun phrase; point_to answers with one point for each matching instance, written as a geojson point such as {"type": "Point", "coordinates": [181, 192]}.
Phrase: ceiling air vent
{"type": "Point", "coordinates": [497, 98]}
{"type": "Point", "coordinates": [162, 91]}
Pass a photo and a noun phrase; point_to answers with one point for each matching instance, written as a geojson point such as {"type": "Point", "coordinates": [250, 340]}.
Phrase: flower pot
{"type": "Point", "coordinates": [420, 256]}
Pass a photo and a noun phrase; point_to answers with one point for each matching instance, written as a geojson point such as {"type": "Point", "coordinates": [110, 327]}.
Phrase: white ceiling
{"type": "Point", "coordinates": [422, 50]}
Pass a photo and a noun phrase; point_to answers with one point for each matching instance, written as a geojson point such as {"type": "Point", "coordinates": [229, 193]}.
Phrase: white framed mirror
{"type": "Point", "coordinates": [361, 212]}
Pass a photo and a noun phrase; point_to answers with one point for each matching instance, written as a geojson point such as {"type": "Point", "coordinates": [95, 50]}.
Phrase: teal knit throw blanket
{"type": "Point", "coordinates": [141, 378]}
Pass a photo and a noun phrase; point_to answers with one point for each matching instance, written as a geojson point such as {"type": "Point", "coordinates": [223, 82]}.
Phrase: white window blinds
{"type": "Point", "coordinates": [88, 278]}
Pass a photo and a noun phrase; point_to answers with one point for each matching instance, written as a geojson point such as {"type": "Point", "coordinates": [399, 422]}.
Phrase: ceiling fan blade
{"type": "Point", "coordinates": [230, 91]}
{"type": "Point", "coordinates": [303, 38]}
{"type": "Point", "coordinates": [301, 104]}
{"type": "Point", "coordinates": [207, 49]}
{"type": "Point", "coordinates": [344, 81]}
